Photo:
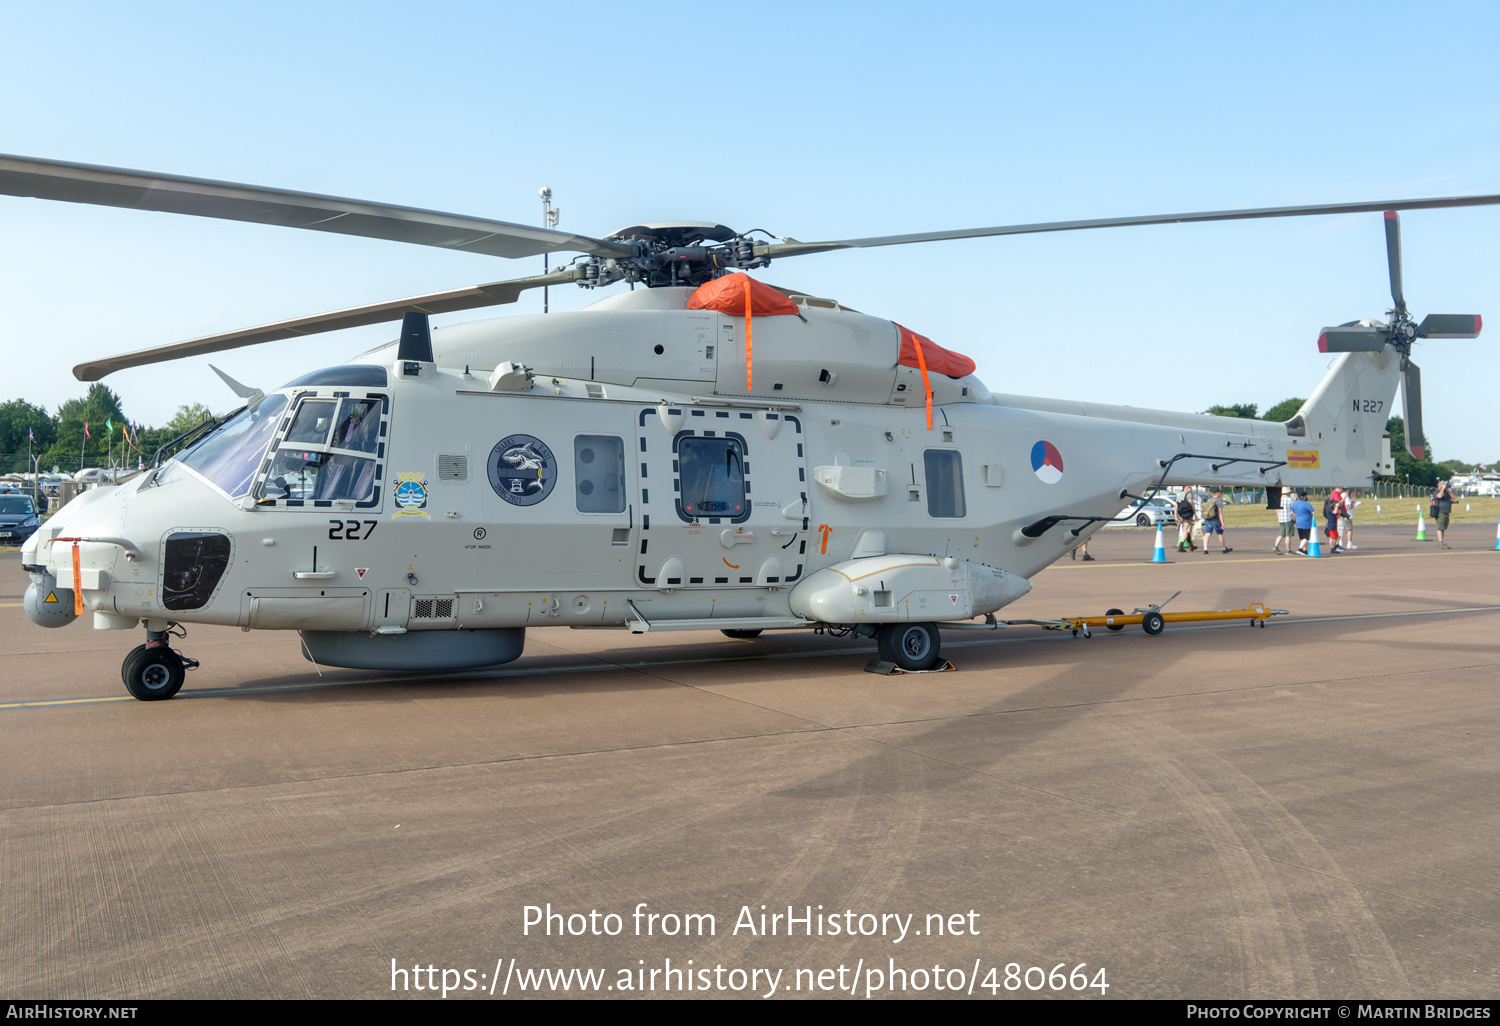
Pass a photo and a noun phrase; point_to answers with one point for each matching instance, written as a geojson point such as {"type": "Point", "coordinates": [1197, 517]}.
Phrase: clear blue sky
{"type": "Point", "coordinates": [810, 120]}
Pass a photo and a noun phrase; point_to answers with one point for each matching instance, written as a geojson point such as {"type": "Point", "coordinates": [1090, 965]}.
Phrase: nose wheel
{"type": "Point", "coordinates": [154, 671]}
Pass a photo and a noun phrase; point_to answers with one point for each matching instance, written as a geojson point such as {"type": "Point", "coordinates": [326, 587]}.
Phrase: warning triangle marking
{"type": "Point", "coordinates": [51, 597]}
{"type": "Point", "coordinates": [361, 570]}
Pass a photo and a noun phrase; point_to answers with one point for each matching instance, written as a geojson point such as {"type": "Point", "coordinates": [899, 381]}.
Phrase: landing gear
{"type": "Point", "coordinates": [154, 671]}
{"type": "Point", "coordinates": [911, 646]}
{"type": "Point", "coordinates": [152, 674]}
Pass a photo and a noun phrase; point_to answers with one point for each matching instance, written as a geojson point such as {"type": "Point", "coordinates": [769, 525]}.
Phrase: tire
{"type": "Point", "coordinates": [1115, 612]}
{"type": "Point", "coordinates": [1153, 624]}
{"type": "Point", "coordinates": [741, 635]}
{"type": "Point", "coordinates": [153, 674]}
{"type": "Point", "coordinates": [911, 646]}
{"type": "Point", "coordinates": [124, 675]}
{"type": "Point", "coordinates": [1142, 520]}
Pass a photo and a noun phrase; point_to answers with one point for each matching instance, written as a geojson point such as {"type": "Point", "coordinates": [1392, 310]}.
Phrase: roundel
{"type": "Point", "coordinates": [522, 470]}
{"type": "Point", "coordinates": [1047, 462]}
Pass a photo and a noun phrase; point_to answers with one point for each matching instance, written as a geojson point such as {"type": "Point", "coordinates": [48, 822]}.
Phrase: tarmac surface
{"type": "Point", "coordinates": [1308, 810]}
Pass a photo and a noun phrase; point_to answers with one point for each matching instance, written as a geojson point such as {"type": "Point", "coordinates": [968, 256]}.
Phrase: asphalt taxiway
{"type": "Point", "coordinates": [1308, 810]}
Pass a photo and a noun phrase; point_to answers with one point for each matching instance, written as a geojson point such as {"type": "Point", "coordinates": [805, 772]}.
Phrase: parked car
{"type": "Point", "coordinates": [1149, 514]}
{"type": "Point", "coordinates": [18, 518]}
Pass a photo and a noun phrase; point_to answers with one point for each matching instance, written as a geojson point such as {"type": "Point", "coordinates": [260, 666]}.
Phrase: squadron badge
{"type": "Point", "coordinates": [522, 470]}
{"type": "Point", "coordinates": [411, 495]}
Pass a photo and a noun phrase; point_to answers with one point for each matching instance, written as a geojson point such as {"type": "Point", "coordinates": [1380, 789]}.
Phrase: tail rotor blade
{"type": "Point", "coordinates": [1393, 257]}
{"type": "Point", "coordinates": [1352, 340]}
{"type": "Point", "coordinates": [1450, 326]}
{"type": "Point", "coordinates": [1411, 403]}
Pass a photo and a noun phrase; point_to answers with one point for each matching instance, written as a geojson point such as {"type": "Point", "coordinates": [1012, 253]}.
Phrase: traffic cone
{"type": "Point", "coordinates": [1497, 537]}
{"type": "Point", "coordinates": [1160, 555]}
{"type": "Point", "coordinates": [1377, 507]}
{"type": "Point", "coordinates": [1312, 546]}
{"type": "Point", "coordinates": [1421, 528]}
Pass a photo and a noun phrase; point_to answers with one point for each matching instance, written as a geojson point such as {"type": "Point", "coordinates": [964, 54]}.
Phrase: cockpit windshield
{"type": "Point", "coordinates": [230, 456]}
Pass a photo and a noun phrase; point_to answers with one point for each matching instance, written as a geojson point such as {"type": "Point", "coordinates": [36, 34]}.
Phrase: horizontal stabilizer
{"type": "Point", "coordinates": [1450, 326]}
{"type": "Point", "coordinates": [1352, 340]}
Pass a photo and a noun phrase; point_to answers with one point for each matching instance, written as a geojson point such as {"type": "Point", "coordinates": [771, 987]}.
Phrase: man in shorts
{"type": "Point", "coordinates": [1187, 516]}
{"type": "Point", "coordinates": [1346, 520]}
{"type": "Point", "coordinates": [1212, 516]}
{"type": "Point", "coordinates": [1306, 518]}
{"type": "Point", "coordinates": [1286, 523]}
{"type": "Point", "coordinates": [1442, 507]}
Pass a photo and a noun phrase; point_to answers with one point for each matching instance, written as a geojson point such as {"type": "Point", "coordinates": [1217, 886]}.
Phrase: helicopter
{"type": "Point", "coordinates": [708, 452]}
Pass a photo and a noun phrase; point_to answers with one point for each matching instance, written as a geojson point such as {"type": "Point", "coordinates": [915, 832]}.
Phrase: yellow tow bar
{"type": "Point", "coordinates": [1151, 618]}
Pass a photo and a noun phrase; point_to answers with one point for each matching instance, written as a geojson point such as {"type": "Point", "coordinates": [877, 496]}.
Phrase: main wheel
{"type": "Point", "coordinates": [1115, 612]}
{"type": "Point", "coordinates": [1153, 624]}
{"type": "Point", "coordinates": [152, 674]}
{"type": "Point", "coordinates": [741, 635]}
{"type": "Point", "coordinates": [911, 646]}
{"type": "Point", "coordinates": [1142, 520]}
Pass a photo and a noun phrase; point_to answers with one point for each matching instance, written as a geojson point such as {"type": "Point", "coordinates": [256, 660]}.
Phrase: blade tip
{"type": "Point", "coordinates": [1323, 342]}
{"type": "Point", "coordinates": [1390, 215]}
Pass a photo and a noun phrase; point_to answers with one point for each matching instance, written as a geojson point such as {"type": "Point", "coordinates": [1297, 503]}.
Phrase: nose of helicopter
{"type": "Point", "coordinates": [70, 558]}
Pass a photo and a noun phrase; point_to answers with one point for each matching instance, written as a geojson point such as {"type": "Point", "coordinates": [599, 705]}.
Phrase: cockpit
{"type": "Point", "coordinates": [319, 441]}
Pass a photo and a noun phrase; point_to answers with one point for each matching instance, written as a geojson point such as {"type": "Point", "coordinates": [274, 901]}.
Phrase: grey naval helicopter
{"type": "Point", "coordinates": [703, 453]}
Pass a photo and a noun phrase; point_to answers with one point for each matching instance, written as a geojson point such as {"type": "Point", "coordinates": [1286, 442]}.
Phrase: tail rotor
{"type": "Point", "coordinates": [1399, 332]}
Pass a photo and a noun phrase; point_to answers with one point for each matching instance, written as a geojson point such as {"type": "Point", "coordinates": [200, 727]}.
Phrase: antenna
{"type": "Point", "coordinates": [549, 220]}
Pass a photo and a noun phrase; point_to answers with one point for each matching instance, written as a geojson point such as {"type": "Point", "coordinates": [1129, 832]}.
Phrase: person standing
{"type": "Point", "coordinates": [1442, 506]}
{"type": "Point", "coordinates": [1286, 523]}
{"type": "Point", "coordinates": [1346, 520]}
{"type": "Point", "coordinates": [1186, 518]}
{"type": "Point", "coordinates": [1331, 518]}
{"type": "Point", "coordinates": [1212, 515]}
{"type": "Point", "coordinates": [1307, 521]}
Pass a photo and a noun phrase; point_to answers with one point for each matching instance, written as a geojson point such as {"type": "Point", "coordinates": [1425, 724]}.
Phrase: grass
{"type": "Point", "coordinates": [1393, 511]}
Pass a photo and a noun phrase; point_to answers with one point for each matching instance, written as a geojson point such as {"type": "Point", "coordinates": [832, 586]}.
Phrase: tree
{"type": "Point", "coordinates": [1284, 410]}
{"type": "Point", "coordinates": [187, 417]}
{"type": "Point", "coordinates": [1422, 472]}
{"type": "Point", "coordinates": [19, 420]}
{"type": "Point", "coordinates": [1245, 411]}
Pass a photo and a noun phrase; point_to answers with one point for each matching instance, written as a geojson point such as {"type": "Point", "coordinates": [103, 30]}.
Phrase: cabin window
{"type": "Point", "coordinates": [599, 473]}
{"type": "Point", "coordinates": [711, 478]}
{"type": "Point", "coordinates": [945, 483]}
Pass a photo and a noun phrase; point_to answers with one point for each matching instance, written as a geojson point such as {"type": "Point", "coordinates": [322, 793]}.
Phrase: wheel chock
{"type": "Point", "coordinates": [886, 669]}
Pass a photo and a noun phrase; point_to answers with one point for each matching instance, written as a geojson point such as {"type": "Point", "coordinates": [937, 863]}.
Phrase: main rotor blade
{"type": "Point", "coordinates": [1393, 257]}
{"type": "Point", "coordinates": [1450, 326]}
{"type": "Point", "coordinates": [143, 190]}
{"type": "Point", "coordinates": [1411, 408]}
{"type": "Point", "coordinates": [494, 294]}
{"type": "Point", "coordinates": [1353, 340]}
{"type": "Point", "coordinates": [794, 248]}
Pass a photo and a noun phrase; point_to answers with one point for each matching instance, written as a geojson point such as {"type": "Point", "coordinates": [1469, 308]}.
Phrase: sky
{"type": "Point", "coordinates": [816, 121]}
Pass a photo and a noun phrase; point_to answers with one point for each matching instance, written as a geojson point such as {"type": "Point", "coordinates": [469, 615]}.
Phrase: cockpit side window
{"type": "Point", "coordinates": [332, 451]}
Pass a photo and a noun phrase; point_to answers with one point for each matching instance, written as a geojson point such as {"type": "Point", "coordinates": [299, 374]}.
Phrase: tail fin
{"type": "Point", "coordinates": [1337, 436]}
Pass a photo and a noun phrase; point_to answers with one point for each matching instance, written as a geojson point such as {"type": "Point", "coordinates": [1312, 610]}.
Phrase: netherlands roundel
{"type": "Point", "coordinates": [1047, 462]}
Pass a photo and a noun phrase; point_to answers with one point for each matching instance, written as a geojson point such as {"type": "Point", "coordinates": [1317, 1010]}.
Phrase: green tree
{"type": "Point", "coordinates": [187, 417]}
{"type": "Point", "coordinates": [1245, 411]}
{"type": "Point", "coordinates": [19, 420]}
{"type": "Point", "coordinates": [1422, 471]}
{"type": "Point", "coordinates": [1284, 410]}
{"type": "Point", "coordinates": [1457, 467]}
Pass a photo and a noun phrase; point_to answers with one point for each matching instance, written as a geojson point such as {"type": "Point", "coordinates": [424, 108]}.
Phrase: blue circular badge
{"type": "Point", "coordinates": [522, 470]}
